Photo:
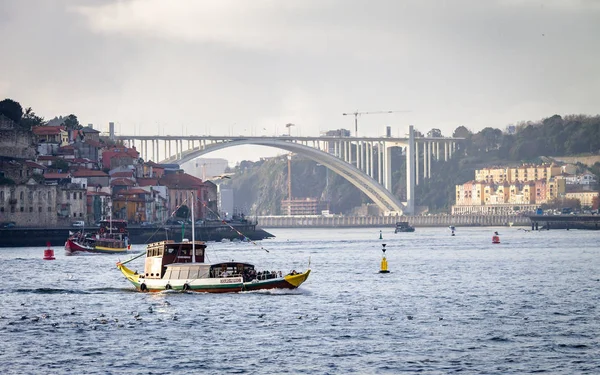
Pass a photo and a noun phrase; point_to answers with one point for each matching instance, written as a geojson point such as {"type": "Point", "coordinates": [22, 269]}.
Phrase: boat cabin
{"type": "Point", "coordinates": [161, 254]}
{"type": "Point", "coordinates": [113, 226]}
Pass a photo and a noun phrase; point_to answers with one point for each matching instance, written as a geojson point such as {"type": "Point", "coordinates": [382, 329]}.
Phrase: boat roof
{"type": "Point", "coordinates": [226, 264]}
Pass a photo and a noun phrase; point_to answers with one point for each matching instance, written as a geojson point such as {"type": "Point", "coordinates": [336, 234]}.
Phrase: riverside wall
{"type": "Point", "coordinates": [390, 221]}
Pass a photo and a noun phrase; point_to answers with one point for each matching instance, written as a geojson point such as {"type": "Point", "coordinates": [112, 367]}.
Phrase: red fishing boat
{"type": "Point", "coordinates": [110, 238]}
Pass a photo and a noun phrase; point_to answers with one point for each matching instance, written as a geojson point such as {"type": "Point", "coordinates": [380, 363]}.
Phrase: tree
{"type": "Point", "coordinates": [30, 119]}
{"type": "Point", "coordinates": [461, 132]}
{"type": "Point", "coordinates": [72, 123]}
{"type": "Point", "coordinates": [11, 110]}
{"type": "Point", "coordinates": [433, 133]}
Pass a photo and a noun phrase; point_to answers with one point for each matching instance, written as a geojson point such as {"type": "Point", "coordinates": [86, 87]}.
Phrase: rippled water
{"type": "Point", "coordinates": [450, 304]}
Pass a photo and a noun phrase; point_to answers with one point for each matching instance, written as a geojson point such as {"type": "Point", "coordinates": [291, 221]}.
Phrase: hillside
{"type": "Point", "coordinates": [260, 186]}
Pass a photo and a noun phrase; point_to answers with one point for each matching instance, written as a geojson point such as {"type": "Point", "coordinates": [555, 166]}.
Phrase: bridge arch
{"type": "Point", "coordinates": [385, 200]}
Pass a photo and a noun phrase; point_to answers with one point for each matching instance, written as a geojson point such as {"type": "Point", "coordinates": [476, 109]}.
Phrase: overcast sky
{"type": "Point", "coordinates": [250, 67]}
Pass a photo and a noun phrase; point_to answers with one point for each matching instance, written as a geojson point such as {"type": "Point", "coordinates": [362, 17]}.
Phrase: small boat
{"type": "Point", "coordinates": [111, 238]}
{"type": "Point", "coordinates": [403, 226]}
{"type": "Point", "coordinates": [171, 265]}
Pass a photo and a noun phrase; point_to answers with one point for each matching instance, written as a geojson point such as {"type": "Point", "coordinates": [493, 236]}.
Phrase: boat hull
{"type": "Point", "coordinates": [72, 247]}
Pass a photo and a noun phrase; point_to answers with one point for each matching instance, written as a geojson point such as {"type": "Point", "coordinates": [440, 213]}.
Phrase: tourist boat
{"type": "Point", "coordinates": [180, 266]}
{"type": "Point", "coordinates": [111, 237]}
{"type": "Point", "coordinates": [171, 265]}
{"type": "Point", "coordinates": [403, 226]}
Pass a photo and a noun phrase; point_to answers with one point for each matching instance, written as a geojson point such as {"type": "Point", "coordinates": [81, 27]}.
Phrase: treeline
{"type": "Point", "coordinates": [26, 118]}
{"type": "Point", "coordinates": [553, 136]}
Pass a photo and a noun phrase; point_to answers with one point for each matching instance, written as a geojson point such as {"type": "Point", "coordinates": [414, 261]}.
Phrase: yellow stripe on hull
{"type": "Point", "coordinates": [111, 249]}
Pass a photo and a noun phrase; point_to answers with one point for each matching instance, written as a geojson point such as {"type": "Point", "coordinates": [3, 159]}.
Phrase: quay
{"type": "Point", "coordinates": [567, 222]}
{"type": "Point", "coordinates": [20, 236]}
{"type": "Point", "coordinates": [316, 221]}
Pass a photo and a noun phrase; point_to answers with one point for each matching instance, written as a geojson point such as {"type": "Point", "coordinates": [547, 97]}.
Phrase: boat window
{"type": "Point", "coordinates": [175, 274]}
{"type": "Point", "coordinates": [161, 252]}
{"type": "Point", "coordinates": [193, 274]}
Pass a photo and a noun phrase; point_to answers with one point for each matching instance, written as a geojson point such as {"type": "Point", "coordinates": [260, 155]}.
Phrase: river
{"type": "Point", "coordinates": [450, 304]}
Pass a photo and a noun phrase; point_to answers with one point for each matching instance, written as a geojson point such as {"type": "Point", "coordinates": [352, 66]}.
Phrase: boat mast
{"type": "Point", "coordinates": [110, 217]}
{"type": "Point", "coordinates": [193, 232]}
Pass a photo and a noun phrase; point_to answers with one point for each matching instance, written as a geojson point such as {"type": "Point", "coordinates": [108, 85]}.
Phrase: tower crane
{"type": "Point", "coordinates": [356, 114]}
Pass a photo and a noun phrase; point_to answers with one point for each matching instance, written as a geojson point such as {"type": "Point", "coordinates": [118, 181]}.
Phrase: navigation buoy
{"type": "Point", "coordinates": [384, 267]}
{"type": "Point", "coordinates": [495, 238]}
{"type": "Point", "coordinates": [452, 229]}
{"type": "Point", "coordinates": [49, 253]}
{"type": "Point", "coordinates": [380, 235]}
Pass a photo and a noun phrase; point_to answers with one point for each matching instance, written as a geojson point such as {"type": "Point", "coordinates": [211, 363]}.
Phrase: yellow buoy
{"type": "Point", "coordinates": [384, 265]}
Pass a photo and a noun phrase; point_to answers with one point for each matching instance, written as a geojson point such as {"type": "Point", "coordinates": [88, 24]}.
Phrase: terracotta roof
{"type": "Point", "coordinates": [122, 182]}
{"type": "Point", "coordinates": [147, 181]}
{"type": "Point", "coordinates": [67, 147]}
{"type": "Point", "coordinates": [89, 173]}
{"type": "Point", "coordinates": [122, 174]}
{"type": "Point", "coordinates": [180, 181]}
{"type": "Point", "coordinates": [97, 193]}
{"type": "Point", "coordinates": [81, 160]}
{"type": "Point", "coordinates": [56, 176]}
{"type": "Point", "coordinates": [133, 192]}
{"type": "Point", "coordinates": [33, 164]}
{"type": "Point", "coordinates": [47, 130]}
{"type": "Point", "coordinates": [47, 157]}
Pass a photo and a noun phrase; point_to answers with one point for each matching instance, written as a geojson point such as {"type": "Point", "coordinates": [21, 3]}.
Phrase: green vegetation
{"type": "Point", "coordinates": [259, 187]}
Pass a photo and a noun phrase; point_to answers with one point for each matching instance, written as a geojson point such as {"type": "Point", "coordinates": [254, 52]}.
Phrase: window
{"type": "Point", "coordinates": [1, 209]}
{"type": "Point", "coordinates": [12, 209]}
{"type": "Point", "coordinates": [49, 195]}
{"type": "Point", "coordinates": [74, 214]}
{"type": "Point", "coordinates": [40, 209]}
{"type": "Point", "coordinates": [68, 195]}
{"type": "Point", "coordinates": [80, 195]}
{"type": "Point", "coordinates": [30, 195]}
{"type": "Point", "coordinates": [30, 209]}
{"type": "Point", "coordinates": [49, 209]}
{"type": "Point", "coordinates": [1, 195]}
{"type": "Point", "coordinates": [22, 209]}
{"type": "Point", "coordinates": [21, 196]}
{"type": "Point", "coordinates": [81, 214]}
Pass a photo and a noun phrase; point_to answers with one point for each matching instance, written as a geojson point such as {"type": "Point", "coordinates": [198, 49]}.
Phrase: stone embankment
{"type": "Point", "coordinates": [385, 221]}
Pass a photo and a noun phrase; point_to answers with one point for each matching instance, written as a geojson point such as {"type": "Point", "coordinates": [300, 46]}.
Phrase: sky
{"type": "Point", "coordinates": [195, 67]}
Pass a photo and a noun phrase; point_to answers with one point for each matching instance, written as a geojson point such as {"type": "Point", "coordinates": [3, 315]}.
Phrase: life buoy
{"type": "Point", "coordinates": [122, 230]}
{"type": "Point", "coordinates": [143, 287]}
{"type": "Point", "coordinates": [101, 230]}
{"type": "Point", "coordinates": [186, 287]}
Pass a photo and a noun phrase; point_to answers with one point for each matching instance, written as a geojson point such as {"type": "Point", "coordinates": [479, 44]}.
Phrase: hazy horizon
{"type": "Point", "coordinates": [248, 68]}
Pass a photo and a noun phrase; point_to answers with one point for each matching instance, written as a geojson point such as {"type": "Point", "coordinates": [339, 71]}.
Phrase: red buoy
{"type": "Point", "coordinates": [495, 238]}
{"type": "Point", "coordinates": [49, 253]}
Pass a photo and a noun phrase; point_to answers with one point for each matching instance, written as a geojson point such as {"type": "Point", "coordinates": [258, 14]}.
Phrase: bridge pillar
{"type": "Point", "coordinates": [410, 171]}
{"type": "Point", "coordinates": [416, 162]}
{"type": "Point", "coordinates": [445, 151]}
{"type": "Point", "coordinates": [430, 149]}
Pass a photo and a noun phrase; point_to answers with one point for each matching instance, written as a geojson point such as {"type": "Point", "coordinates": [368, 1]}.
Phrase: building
{"type": "Point", "coordinates": [303, 206]}
{"type": "Point", "coordinates": [35, 205]}
{"type": "Point", "coordinates": [585, 197]}
{"type": "Point", "coordinates": [182, 186]}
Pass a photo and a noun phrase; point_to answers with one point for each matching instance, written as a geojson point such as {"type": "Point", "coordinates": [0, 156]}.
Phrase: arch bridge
{"type": "Point", "coordinates": [363, 161]}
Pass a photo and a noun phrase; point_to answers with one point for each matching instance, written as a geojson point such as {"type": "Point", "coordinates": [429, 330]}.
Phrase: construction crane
{"type": "Point", "coordinates": [356, 114]}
